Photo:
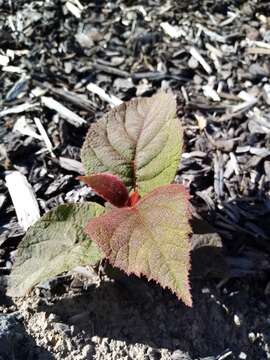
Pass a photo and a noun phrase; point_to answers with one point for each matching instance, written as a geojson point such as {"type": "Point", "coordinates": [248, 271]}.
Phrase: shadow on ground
{"type": "Point", "coordinates": [137, 312]}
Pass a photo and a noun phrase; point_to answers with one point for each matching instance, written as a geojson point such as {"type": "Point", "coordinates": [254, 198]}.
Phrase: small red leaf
{"type": "Point", "coordinates": [109, 187]}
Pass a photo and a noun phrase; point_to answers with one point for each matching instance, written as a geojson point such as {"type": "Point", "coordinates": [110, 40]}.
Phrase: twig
{"type": "Point", "coordinates": [260, 44]}
{"type": "Point", "coordinates": [24, 128]}
{"type": "Point", "coordinates": [74, 98]}
{"type": "Point", "coordinates": [63, 111]}
{"type": "Point", "coordinates": [44, 135]}
{"type": "Point", "coordinates": [211, 34]}
{"type": "Point", "coordinates": [174, 32]}
{"type": "Point", "coordinates": [73, 9]}
{"type": "Point", "coordinates": [13, 69]}
{"type": "Point", "coordinates": [111, 99]}
{"type": "Point", "coordinates": [69, 96]}
{"type": "Point", "coordinates": [211, 93]}
{"type": "Point", "coordinates": [23, 198]}
{"type": "Point", "coordinates": [195, 53]}
{"type": "Point", "coordinates": [111, 70]}
{"type": "Point", "coordinates": [258, 51]}
{"type": "Point", "coordinates": [229, 20]}
{"type": "Point", "coordinates": [71, 165]}
{"type": "Point", "coordinates": [18, 109]}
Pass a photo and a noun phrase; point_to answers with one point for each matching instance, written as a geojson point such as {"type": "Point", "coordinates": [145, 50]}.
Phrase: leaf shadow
{"type": "Point", "coordinates": [132, 310]}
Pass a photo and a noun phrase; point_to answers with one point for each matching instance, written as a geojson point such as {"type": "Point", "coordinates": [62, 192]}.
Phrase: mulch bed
{"type": "Point", "coordinates": [215, 56]}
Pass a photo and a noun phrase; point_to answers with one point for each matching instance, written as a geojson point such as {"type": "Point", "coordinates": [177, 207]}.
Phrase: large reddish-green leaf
{"type": "Point", "coordinates": [140, 141]}
{"type": "Point", "coordinates": [108, 186]}
{"type": "Point", "coordinates": [150, 238]}
{"type": "Point", "coordinates": [54, 244]}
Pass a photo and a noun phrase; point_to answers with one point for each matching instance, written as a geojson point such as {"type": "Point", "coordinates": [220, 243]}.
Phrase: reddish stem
{"type": "Point", "coordinates": [133, 199]}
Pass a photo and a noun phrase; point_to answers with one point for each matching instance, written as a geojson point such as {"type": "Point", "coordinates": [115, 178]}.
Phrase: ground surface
{"type": "Point", "coordinates": [216, 60]}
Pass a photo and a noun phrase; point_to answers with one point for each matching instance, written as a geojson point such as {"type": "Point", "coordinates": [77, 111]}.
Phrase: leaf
{"type": "Point", "coordinates": [54, 244]}
{"type": "Point", "coordinates": [140, 141]}
{"type": "Point", "coordinates": [150, 238]}
{"type": "Point", "coordinates": [108, 186]}
{"type": "Point", "coordinates": [133, 198]}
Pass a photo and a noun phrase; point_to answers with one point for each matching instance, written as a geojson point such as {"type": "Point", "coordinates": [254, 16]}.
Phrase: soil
{"type": "Point", "coordinates": [131, 319]}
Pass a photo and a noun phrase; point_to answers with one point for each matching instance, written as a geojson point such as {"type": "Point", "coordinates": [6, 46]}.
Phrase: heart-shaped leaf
{"type": "Point", "coordinates": [140, 141]}
{"type": "Point", "coordinates": [109, 187]}
{"type": "Point", "coordinates": [151, 238]}
{"type": "Point", "coordinates": [54, 244]}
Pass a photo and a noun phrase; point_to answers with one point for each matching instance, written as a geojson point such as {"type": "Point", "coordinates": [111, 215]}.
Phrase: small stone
{"type": "Point", "coordinates": [68, 67]}
{"type": "Point", "coordinates": [59, 345]}
{"type": "Point", "coordinates": [197, 79]}
{"type": "Point", "coordinates": [258, 71]}
{"type": "Point", "coordinates": [42, 321]}
{"type": "Point", "coordinates": [143, 87]}
{"type": "Point", "coordinates": [252, 34]}
{"type": "Point", "coordinates": [205, 291]}
{"type": "Point", "coordinates": [236, 320]}
{"type": "Point", "coordinates": [242, 355]}
{"type": "Point", "coordinates": [180, 355]}
{"type": "Point", "coordinates": [61, 328]}
{"type": "Point", "coordinates": [73, 330]}
{"type": "Point", "coordinates": [117, 60]}
{"type": "Point", "coordinates": [85, 40]}
{"type": "Point", "coordinates": [96, 339]}
{"type": "Point", "coordinates": [252, 337]}
{"type": "Point", "coordinates": [193, 63]}
{"type": "Point", "coordinates": [53, 318]}
{"type": "Point", "coordinates": [123, 84]}
{"type": "Point", "coordinates": [87, 351]}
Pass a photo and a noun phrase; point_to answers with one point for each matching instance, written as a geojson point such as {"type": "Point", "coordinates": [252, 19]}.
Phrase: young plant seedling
{"type": "Point", "coordinates": [130, 158]}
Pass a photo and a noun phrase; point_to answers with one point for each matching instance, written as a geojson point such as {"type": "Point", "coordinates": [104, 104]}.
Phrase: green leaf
{"type": "Point", "coordinates": [150, 238]}
{"type": "Point", "coordinates": [140, 141]}
{"type": "Point", "coordinates": [54, 244]}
